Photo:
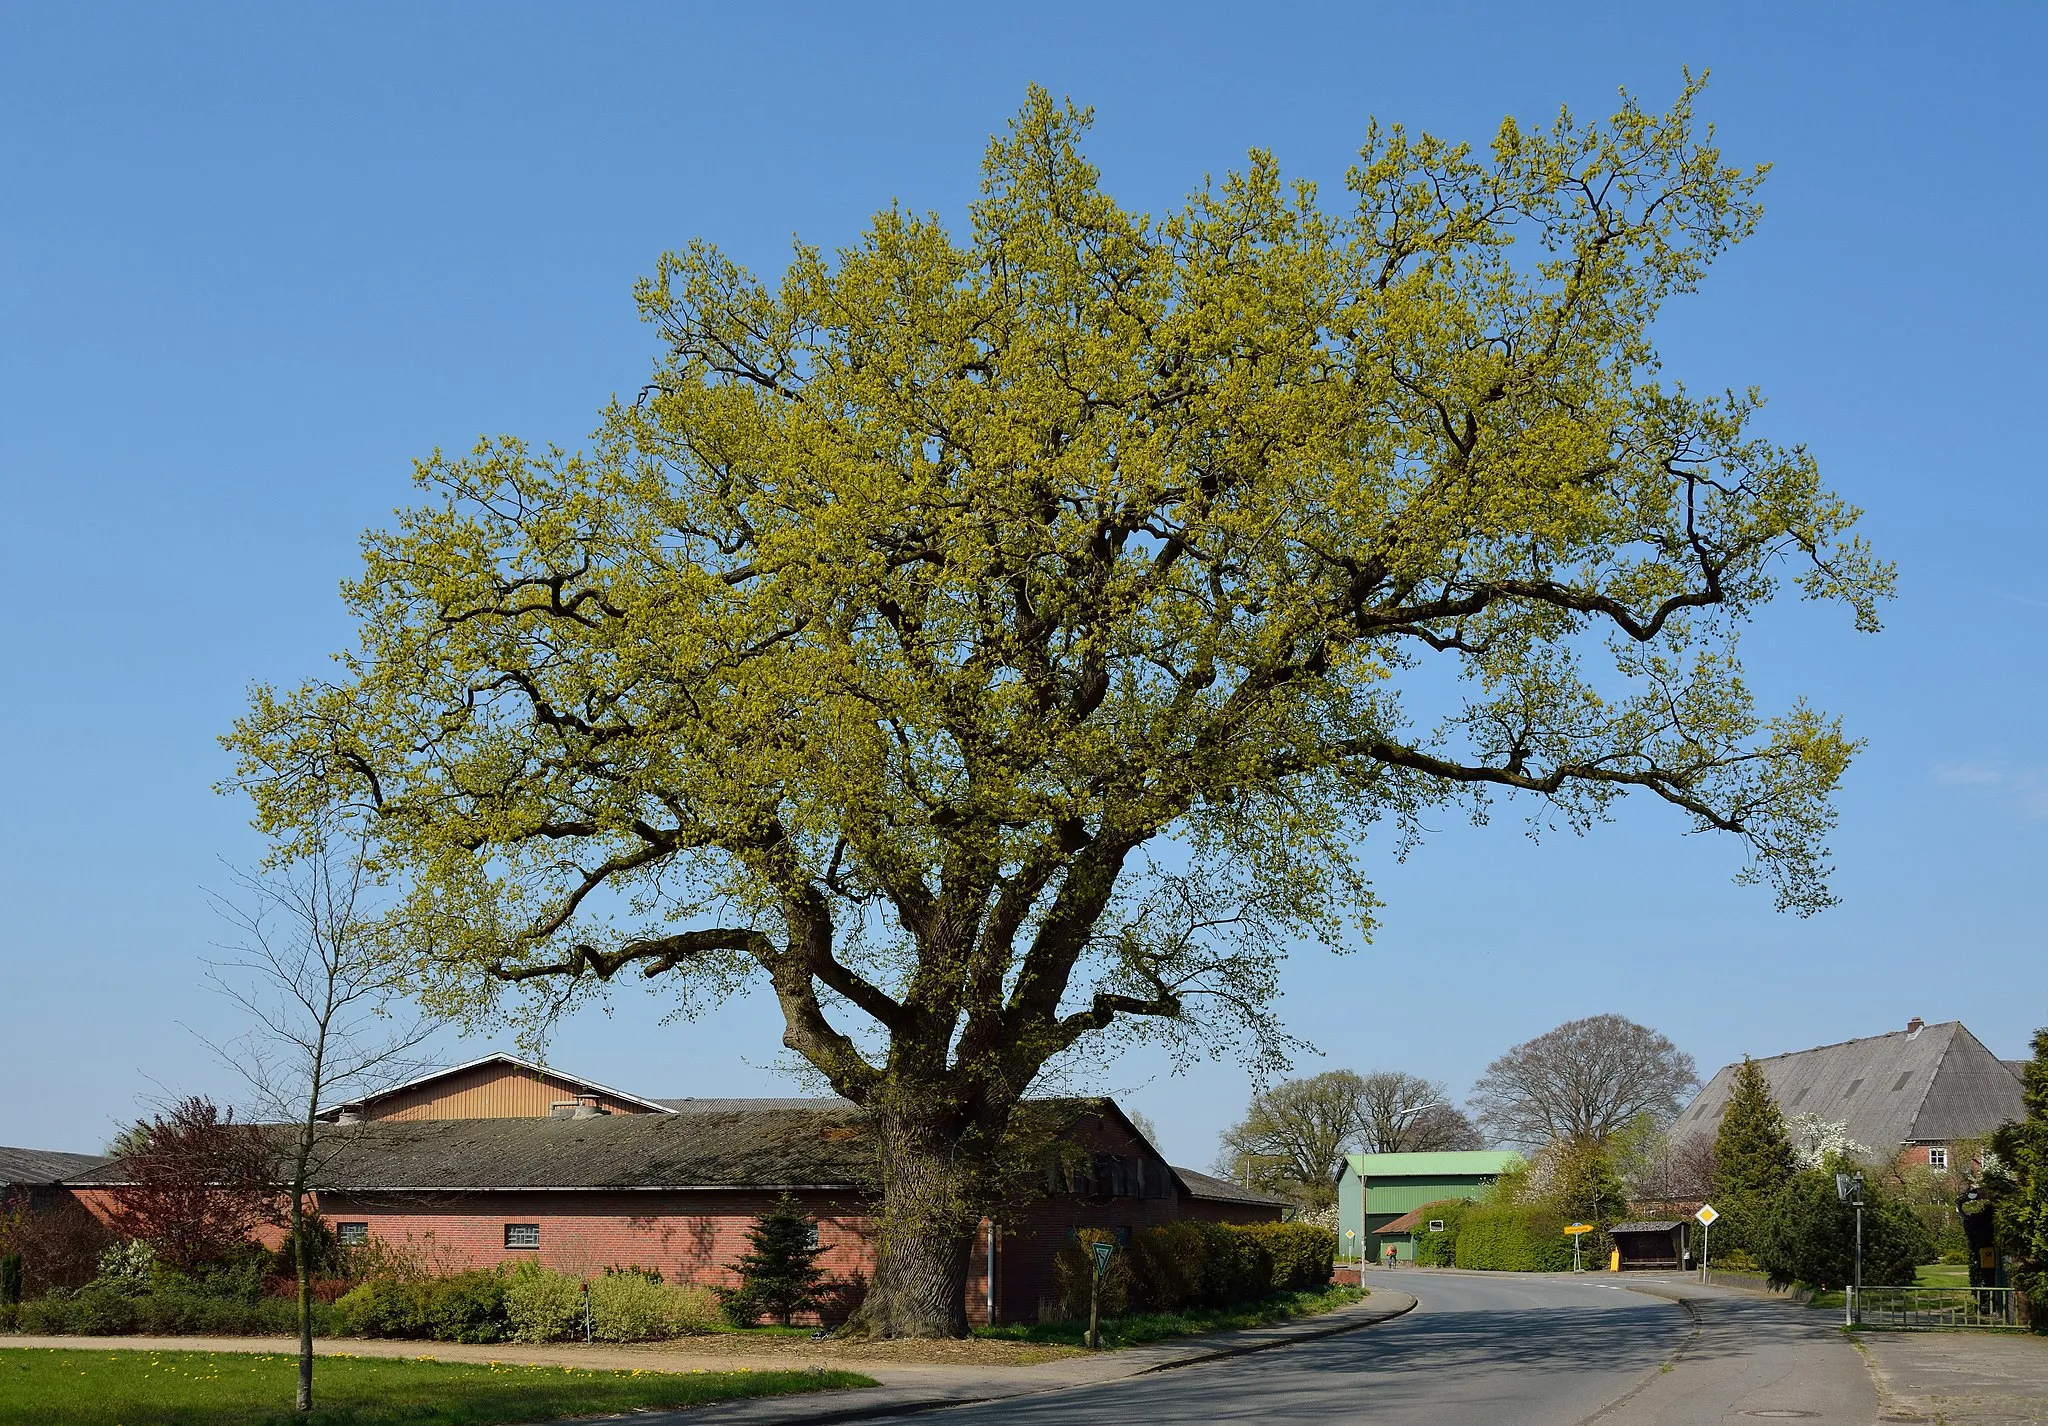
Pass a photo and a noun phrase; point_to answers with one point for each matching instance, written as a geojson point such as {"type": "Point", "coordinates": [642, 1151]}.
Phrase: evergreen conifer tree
{"type": "Point", "coordinates": [1753, 1156]}
{"type": "Point", "coordinates": [778, 1273]}
{"type": "Point", "coordinates": [1753, 1160]}
{"type": "Point", "coordinates": [2022, 1151]}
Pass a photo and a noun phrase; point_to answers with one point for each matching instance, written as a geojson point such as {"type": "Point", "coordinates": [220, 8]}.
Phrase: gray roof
{"type": "Point", "coordinates": [44, 1166]}
{"type": "Point", "coordinates": [807, 1148]}
{"type": "Point", "coordinates": [1644, 1227]}
{"type": "Point", "coordinates": [750, 1106]}
{"type": "Point", "coordinates": [1933, 1085]}
{"type": "Point", "coordinates": [1201, 1185]}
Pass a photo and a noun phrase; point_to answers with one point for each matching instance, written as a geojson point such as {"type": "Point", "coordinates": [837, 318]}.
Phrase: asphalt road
{"type": "Point", "coordinates": [1477, 1351]}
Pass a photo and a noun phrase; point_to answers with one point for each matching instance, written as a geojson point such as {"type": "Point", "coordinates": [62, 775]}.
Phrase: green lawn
{"type": "Point", "coordinates": [53, 1387]}
{"type": "Point", "coordinates": [1942, 1275]}
{"type": "Point", "coordinates": [1157, 1326]}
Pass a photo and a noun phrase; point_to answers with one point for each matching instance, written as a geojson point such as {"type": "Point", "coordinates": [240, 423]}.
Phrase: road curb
{"type": "Point", "coordinates": [1364, 1320]}
{"type": "Point", "coordinates": [840, 1410]}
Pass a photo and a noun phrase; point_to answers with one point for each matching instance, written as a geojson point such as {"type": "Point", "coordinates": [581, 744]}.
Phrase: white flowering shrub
{"type": "Point", "coordinates": [129, 1262]}
{"type": "Point", "coordinates": [1814, 1139]}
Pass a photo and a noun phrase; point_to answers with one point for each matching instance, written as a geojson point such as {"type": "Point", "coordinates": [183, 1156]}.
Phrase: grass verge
{"type": "Point", "coordinates": [61, 1387]}
{"type": "Point", "coordinates": [1142, 1327]}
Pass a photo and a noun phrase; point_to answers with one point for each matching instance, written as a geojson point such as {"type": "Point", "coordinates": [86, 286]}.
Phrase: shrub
{"type": "Point", "coordinates": [628, 1307]}
{"type": "Point", "coordinates": [690, 1309]}
{"type": "Point", "coordinates": [1166, 1265]}
{"type": "Point", "coordinates": [1809, 1235]}
{"type": "Point", "coordinates": [463, 1307]}
{"type": "Point", "coordinates": [543, 1306]}
{"type": "Point", "coordinates": [1304, 1256]}
{"type": "Point", "coordinates": [1235, 1266]}
{"type": "Point", "coordinates": [10, 1313]}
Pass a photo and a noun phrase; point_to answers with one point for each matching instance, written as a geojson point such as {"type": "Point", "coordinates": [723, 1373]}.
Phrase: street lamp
{"type": "Point", "coordinates": [1849, 1189]}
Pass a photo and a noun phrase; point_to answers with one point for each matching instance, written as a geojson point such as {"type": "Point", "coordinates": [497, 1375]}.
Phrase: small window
{"type": "Point", "coordinates": [1902, 1081]}
{"type": "Point", "coordinates": [522, 1235]}
{"type": "Point", "coordinates": [1937, 1158]}
{"type": "Point", "coordinates": [1854, 1085]}
{"type": "Point", "coordinates": [1436, 1225]}
{"type": "Point", "coordinates": [350, 1234]}
{"type": "Point", "coordinates": [811, 1237]}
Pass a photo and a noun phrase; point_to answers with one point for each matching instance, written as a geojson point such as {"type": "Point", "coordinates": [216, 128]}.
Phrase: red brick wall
{"type": "Point", "coordinates": [690, 1237]}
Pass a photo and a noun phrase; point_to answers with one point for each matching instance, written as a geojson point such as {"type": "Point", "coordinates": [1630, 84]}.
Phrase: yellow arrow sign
{"type": "Point", "coordinates": [1574, 1229]}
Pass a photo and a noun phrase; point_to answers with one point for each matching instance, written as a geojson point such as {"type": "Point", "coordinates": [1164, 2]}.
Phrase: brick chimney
{"type": "Point", "coordinates": [1915, 1025]}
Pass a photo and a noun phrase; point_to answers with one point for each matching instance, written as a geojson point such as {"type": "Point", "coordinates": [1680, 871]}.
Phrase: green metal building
{"type": "Point", "coordinates": [1375, 1189]}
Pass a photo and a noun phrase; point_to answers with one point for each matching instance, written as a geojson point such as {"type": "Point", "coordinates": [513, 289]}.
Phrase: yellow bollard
{"type": "Point", "coordinates": [1614, 1261]}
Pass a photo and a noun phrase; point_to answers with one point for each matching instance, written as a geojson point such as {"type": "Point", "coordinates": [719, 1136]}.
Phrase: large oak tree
{"type": "Point", "coordinates": [1000, 642]}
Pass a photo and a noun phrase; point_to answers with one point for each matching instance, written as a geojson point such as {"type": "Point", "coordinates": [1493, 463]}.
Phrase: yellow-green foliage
{"type": "Point", "coordinates": [543, 1306]}
{"type": "Point", "coordinates": [631, 1307]}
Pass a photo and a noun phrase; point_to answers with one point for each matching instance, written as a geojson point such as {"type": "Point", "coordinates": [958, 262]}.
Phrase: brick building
{"type": "Point", "coordinates": [502, 1160]}
{"type": "Point", "coordinates": [1911, 1094]}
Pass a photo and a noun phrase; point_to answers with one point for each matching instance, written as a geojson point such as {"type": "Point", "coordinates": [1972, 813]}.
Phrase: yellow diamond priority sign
{"type": "Point", "coordinates": [1707, 1214]}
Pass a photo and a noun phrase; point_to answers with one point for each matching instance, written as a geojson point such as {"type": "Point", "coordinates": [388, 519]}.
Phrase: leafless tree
{"type": "Point", "coordinates": [1441, 1128]}
{"type": "Point", "coordinates": [1393, 1105]}
{"type": "Point", "coordinates": [327, 1020]}
{"type": "Point", "coordinates": [1586, 1078]}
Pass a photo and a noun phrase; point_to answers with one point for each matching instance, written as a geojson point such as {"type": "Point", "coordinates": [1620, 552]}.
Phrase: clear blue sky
{"type": "Point", "coordinates": [255, 259]}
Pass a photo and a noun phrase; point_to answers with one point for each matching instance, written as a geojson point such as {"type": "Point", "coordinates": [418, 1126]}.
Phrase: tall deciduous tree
{"type": "Point", "coordinates": [1294, 1134]}
{"type": "Point", "coordinates": [1585, 1079]}
{"type": "Point", "coordinates": [1390, 1102]}
{"type": "Point", "coordinates": [997, 643]}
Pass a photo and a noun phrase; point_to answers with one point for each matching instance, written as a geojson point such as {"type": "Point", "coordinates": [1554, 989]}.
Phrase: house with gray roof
{"type": "Point", "coordinates": [1912, 1093]}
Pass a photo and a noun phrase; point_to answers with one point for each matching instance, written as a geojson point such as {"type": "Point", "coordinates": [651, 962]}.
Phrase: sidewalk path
{"type": "Point", "coordinates": [1959, 1377]}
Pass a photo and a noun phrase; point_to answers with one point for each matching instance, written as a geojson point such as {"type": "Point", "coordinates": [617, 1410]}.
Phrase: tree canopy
{"type": "Point", "coordinates": [994, 640]}
{"type": "Point", "coordinates": [1585, 1079]}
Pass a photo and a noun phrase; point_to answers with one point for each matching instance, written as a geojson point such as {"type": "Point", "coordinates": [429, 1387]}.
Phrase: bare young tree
{"type": "Point", "coordinates": [1585, 1079]}
{"type": "Point", "coordinates": [311, 967]}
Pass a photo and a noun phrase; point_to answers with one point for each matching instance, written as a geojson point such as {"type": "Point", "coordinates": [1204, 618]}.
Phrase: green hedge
{"type": "Point", "coordinates": [98, 1310]}
{"type": "Point", "coordinates": [1441, 1249]}
{"type": "Point", "coordinates": [1181, 1265]}
{"type": "Point", "coordinates": [1513, 1238]}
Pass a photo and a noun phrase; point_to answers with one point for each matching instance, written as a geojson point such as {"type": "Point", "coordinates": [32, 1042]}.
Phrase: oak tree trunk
{"type": "Point", "coordinates": [929, 1212]}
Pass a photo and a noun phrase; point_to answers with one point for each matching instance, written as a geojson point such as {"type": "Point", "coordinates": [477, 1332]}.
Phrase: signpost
{"type": "Point", "coordinates": [1706, 1215]}
{"type": "Point", "coordinates": [1101, 1253]}
{"type": "Point", "coordinates": [1351, 1246]}
{"type": "Point", "coordinates": [1577, 1232]}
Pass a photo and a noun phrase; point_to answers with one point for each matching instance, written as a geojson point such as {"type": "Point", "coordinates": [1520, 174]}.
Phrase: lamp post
{"type": "Point", "coordinates": [1849, 1189]}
